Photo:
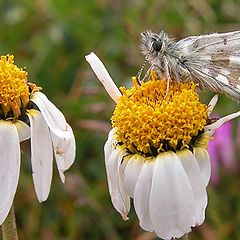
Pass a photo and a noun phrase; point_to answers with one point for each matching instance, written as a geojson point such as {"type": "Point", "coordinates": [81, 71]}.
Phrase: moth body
{"type": "Point", "coordinates": [212, 61]}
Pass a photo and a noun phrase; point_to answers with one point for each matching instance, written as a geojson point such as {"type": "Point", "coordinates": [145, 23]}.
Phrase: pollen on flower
{"type": "Point", "coordinates": [14, 90]}
{"type": "Point", "coordinates": [148, 122]}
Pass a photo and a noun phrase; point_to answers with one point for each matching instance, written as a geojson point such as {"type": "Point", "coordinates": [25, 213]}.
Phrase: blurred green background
{"type": "Point", "coordinates": [50, 39]}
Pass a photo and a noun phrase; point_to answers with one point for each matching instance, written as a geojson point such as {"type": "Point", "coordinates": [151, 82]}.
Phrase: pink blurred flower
{"type": "Point", "coordinates": [238, 137]}
{"type": "Point", "coordinates": [222, 151]}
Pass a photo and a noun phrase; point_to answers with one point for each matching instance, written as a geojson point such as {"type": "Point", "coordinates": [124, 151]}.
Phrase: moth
{"type": "Point", "coordinates": [212, 61]}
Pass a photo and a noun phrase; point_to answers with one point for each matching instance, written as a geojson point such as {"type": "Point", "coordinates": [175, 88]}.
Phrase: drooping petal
{"type": "Point", "coordinates": [212, 127]}
{"type": "Point", "coordinates": [196, 180]}
{"type": "Point", "coordinates": [171, 200]}
{"type": "Point", "coordinates": [142, 195]}
{"type": "Point", "coordinates": [204, 163]}
{"type": "Point", "coordinates": [212, 104]}
{"type": "Point", "coordinates": [64, 151]}
{"type": "Point", "coordinates": [9, 166]}
{"type": "Point", "coordinates": [23, 130]}
{"type": "Point", "coordinates": [108, 147]}
{"type": "Point", "coordinates": [103, 75]}
{"type": "Point", "coordinates": [41, 154]}
{"type": "Point", "coordinates": [52, 115]}
{"type": "Point", "coordinates": [131, 172]}
{"type": "Point", "coordinates": [120, 200]}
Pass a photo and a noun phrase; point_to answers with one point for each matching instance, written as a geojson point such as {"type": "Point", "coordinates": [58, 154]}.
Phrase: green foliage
{"type": "Point", "coordinates": [50, 38]}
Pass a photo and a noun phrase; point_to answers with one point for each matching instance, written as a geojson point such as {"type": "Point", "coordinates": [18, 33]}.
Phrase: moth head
{"type": "Point", "coordinates": [152, 44]}
{"type": "Point", "coordinates": [157, 45]}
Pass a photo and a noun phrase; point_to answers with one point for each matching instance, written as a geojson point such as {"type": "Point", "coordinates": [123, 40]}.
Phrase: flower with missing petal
{"type": "Point", "coordinates": [156, 152]}
{"type": "Point", "coordinates": [26, 113]}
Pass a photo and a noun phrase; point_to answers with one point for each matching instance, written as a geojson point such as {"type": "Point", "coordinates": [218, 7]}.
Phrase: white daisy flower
{"type": "Point", "coordinates": [156, 152]}
{"type": "Point", "coordinates": [27, 113]}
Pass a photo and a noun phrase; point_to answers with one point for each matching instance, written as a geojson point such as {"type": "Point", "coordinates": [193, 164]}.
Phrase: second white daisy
{"type": "Point", "coordinates": [26, 113]}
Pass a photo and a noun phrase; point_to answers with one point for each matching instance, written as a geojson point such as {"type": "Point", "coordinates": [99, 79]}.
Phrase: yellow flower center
{"type": "Point", "coordinates": [148, 121]}
{"type": "Point", "coordinates": [14, 90]}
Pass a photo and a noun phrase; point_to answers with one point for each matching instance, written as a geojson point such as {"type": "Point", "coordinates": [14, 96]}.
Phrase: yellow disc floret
{"type": "Point", "coordinates": [149, 121]}
{"type": "Point", "coordinates": [14, 91]}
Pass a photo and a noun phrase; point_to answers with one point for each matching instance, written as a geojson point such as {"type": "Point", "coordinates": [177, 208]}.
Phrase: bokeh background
{"type": "Point", "coordinates": [50, 38]}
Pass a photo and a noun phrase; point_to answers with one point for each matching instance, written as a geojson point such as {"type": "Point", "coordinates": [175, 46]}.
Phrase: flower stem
{"type": "Point", "coordinates": [9, 227]}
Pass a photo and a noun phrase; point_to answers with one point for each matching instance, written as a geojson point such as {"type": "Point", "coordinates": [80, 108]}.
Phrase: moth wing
{"type": "Point", "coordinates": [214, 61]}
{"type": "Point", "coordinates": [207, 44]}
{"type": "Point", "coordinates": [216, 78]}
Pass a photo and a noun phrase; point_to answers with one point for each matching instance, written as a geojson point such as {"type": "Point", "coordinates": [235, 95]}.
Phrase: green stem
{"type": "Point", "coordinates": [9, 227]}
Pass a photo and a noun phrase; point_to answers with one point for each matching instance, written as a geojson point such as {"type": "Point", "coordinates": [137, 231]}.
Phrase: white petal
{"type": "Point", "coordinates": [108, 147]}
{"type": "Point", "coordinates": [131, 173]}
{"type": "Point", "coordinates": [120, 200]}
{"type": "Point", "coordinates": [196, 180]}
{"type": "Point", "coordinates": [171, 200]}
{"type": "Point", "coordinates": [9, 166]}
{"type": "Point", "coordinates": [220, 122]}
{"type": "Point", "coordinates": [103, 75]}
{"type": "Point", "coordinates": [212, 104]}
{"type": "Point", "coordinates": [52, 115]}
{"type": "Point", "coordinates": [23, 130]}
{"type": "Point", "coordinates": [142, 195]}
{"type": "Point", "coordinates": [41, 154]}
{"type": "Point", "coordinates": [204, 163]}
{"type": "Point", "coordinates": [62, 134]}
{"type": "Point", "coordinates": [64, 152]}
{"type": "Point", "coordinates": [112, 132]}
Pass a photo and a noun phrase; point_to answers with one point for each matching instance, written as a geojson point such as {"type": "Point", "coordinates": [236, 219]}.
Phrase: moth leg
{"type": "Point", "coordinates": [167, 87]}
{"type": "Point", "coordinates": [147, 75]}
{"type": "Point", "coordinates": [166, 76]}
{"type": "Point", "coordinates": [138, 75]}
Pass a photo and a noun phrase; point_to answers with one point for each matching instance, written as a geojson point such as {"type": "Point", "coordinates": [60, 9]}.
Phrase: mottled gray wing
{"type": "Point", "coordinates": [214, 61]}
{"type": "Point", "coordinates": [215, 42]}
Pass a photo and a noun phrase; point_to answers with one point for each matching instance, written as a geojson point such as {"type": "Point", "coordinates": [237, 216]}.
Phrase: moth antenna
{"type": "Point", "coordinates": [138, 75]}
